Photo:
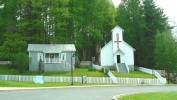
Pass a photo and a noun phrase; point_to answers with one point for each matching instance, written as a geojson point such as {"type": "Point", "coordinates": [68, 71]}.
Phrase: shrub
{"type": "Point", "coordinates": [91, 69]}
{"type": "Point", "coordinates": [20, 61]}
{"type": "Point", "coordinates": [106, 71]}
{"type": "Point", "coordinates": [77, 65]}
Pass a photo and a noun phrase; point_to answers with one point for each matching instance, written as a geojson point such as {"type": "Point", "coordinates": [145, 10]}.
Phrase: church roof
{"type": "Point", "coordinates": [129, 46]}
{"type": "Point", "coordinates": [117, 51]}
{"type": "Point", "coordinates": [51, 48]}
{"type": "Point", "coordinates": [117, 27]}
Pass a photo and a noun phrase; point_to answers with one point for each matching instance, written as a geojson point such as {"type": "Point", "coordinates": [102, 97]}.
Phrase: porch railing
{"type": "Point", "coordinates": [52, 60]}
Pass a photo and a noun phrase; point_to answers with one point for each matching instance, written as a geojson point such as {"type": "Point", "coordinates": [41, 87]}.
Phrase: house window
{"type": "Point", "coordinates": [40, 55]}
{"type": "Point", "coordinates": [63, 56]}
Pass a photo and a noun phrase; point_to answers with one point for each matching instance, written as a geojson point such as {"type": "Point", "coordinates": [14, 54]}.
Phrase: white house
{"type": "Point", "coordinates": [117, 53]}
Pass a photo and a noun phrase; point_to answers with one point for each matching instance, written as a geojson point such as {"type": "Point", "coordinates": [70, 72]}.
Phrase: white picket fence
{"type": "Point", "coordinates": [99, 80]}
{"type": "Point", "coordinates": [96, 66]}
{"type": "Point", "coordinates": [5, 62]}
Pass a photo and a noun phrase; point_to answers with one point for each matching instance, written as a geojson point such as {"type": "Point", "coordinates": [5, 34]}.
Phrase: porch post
{"type": "Point", "coordinates": [44, 58]}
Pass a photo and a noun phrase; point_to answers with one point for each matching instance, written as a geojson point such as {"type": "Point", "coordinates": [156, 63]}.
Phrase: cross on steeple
{"type": "Point", "coordinates": [117, 40]}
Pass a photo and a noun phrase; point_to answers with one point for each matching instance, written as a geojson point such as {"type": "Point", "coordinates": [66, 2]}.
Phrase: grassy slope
{"type": "Point", "coordinates": [134, 74]}
{"type": "Point", "coordinates": [78, 72]}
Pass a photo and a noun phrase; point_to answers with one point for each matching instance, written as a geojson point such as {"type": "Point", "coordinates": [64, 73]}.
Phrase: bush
{"type": "Point", "coordinates": [77, 65]}
{"type": "Point", "coordinates": [106, 71]}
{"type": "Point", "coordinates": [91, 69]}
{"type": "Point", "coordinates": [20, 61]}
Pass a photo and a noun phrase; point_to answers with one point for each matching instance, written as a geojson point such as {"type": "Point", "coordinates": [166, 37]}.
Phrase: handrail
{"type": "Point", "coordinates": [52, 60]}
{"type": "Point", "coordinates": [117, 67]}
{"type": "Point", "coordinates": [112, 77]}
{"type": "Point", "coordinates": [66, 65]}
{"type": "Point", "coordinates": [150, 71]}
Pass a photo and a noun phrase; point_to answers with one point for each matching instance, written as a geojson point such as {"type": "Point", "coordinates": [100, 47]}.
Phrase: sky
{"type": "Point", "coordinates": [169, 6]}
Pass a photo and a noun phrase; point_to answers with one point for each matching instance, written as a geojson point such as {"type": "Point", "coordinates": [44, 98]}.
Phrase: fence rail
{"type": "Point", "coordinates": [99, 80]}
{"type": "Point", "coordinates": [5, 62]}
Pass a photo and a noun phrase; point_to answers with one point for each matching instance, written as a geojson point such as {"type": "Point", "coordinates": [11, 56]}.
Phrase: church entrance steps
{"type": "Point", "coordinates": [122, 68]}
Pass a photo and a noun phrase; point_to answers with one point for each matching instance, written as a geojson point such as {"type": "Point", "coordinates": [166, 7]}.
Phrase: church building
{"type": "Point", "coordinates": [117, 53]}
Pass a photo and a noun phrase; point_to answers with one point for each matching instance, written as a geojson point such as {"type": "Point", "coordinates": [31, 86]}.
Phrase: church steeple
{"type": "Point", "coordinates": [117, 38]}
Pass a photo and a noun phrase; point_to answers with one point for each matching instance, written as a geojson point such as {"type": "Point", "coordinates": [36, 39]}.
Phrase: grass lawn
{"type": "Point", "coordinates": [46, 84]}
{"type": "Point", "coordinates": [134, 74]}
{"type": "Point", "coordinates": [78, 72]}
{"type": "Point", "coordinates": [152, 96]}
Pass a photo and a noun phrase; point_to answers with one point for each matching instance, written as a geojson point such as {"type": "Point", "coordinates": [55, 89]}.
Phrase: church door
{"type": "Point", "coordinates": [118, 58]}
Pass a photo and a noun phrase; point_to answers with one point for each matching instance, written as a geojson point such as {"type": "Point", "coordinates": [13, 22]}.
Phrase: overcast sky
{"type": "Point", "coordinates": [169, 6]}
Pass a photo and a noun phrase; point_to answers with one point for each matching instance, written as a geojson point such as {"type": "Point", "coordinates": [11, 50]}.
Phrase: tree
{"type": "Point", "coordinates": [88, 23]}
{"type": "Point", "coordinates": [11, 47]}
{"type": "Point", "coordinates": [42, 21]}
{"type": "Point", "coordinates": [20, 61]}
{"type": "Point", "coordinates": [165, 51]}
{"type": "Point", "coordinates": [130, 18]}
{"type": "Point", "coordinates": [155, 20]}
{"type": "Point", "coordinates": [7, 18]}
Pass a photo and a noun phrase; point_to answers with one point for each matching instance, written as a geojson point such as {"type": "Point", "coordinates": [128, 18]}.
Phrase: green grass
{"type": "Point", "coordinates": [151, 96]}
{"type": "Point", "coordinates": [78, 72]}
{"type": "Point", "coordinates": [134, 74]}
{"type": "Point", "coordinates": [32, 84]}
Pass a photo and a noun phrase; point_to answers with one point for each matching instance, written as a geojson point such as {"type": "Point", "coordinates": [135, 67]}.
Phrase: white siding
{"type": "Point", "coordinates": [121, 57]}
{"type": "Point", "coordinates": [114, 38]}
{"type": "Point", "coordinates": [106, 55]}
{"type": "Point", "coordinates": [129, 54]}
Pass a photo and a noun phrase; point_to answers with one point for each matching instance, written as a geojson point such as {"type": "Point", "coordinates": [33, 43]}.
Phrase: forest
{"type": "Point", "coordinates": [87, 23]}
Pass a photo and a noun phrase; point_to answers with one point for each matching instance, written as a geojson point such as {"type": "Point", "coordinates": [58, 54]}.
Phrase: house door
{"type": "Point", "coordinates": [118, 58]}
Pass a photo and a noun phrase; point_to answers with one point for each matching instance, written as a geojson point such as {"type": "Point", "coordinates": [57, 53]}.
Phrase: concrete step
{"type": "Point", "coordinates": [122, 68]}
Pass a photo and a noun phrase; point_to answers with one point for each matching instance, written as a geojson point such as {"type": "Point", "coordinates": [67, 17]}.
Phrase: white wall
{"type": "Point", "coordinates": [121, 57]}
{"type": "Point", "coordinates": [106, 55]}
{"type": "Point", "coordinates": [129, 54]}
{"type": "Point", "coordinates": [116, 30]}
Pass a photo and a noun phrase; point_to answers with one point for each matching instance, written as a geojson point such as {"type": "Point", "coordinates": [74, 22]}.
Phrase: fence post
{"type": "Point", "coordinates": [61, 79]}
{"type": "Point", "coordinates": [19, 78]}
{"type": "Point", "coordinates": [103, 79]}
{"type": "Point", "coordinates": [127, 80]}
{"type": "Point", "coordinates": [5, 77]}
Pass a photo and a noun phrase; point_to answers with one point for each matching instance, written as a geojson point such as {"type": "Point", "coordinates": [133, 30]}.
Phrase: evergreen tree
{"type": "Point", "coordinates": [155, 20]}
{"type": "Point", "coordinates": [130, 18]}
{"type": "Point", "coordinates": [165, 51]}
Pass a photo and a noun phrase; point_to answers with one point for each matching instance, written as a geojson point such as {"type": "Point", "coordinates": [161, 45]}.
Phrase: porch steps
{"type": "Point", "coordinates": [122, 68]}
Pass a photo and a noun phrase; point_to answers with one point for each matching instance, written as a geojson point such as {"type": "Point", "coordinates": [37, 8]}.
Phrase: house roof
{"type": "Point", "coordinates": [51, 48]}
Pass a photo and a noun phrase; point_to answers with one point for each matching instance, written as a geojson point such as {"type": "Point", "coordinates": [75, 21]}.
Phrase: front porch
{"type": "Point", "coordinates": [54, 58]}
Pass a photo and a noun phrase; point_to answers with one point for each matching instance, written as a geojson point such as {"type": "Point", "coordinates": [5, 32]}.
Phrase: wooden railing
{"type": "Point", "coordinates": [112, 77]}
{"type": "Point", "coordinates": [52, 60]}
{"type": "Point", "coordinates": [5, 62]}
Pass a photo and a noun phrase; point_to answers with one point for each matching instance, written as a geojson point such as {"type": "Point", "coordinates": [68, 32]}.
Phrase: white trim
{"type": "Point", "coordinates": [38, 56]}
{"type": "Point", "coordinates": [118, 27]}
{"type": "Point", "coordinates": [129, 45]}
{"type": "Point", "coordinates": [63, 55]}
